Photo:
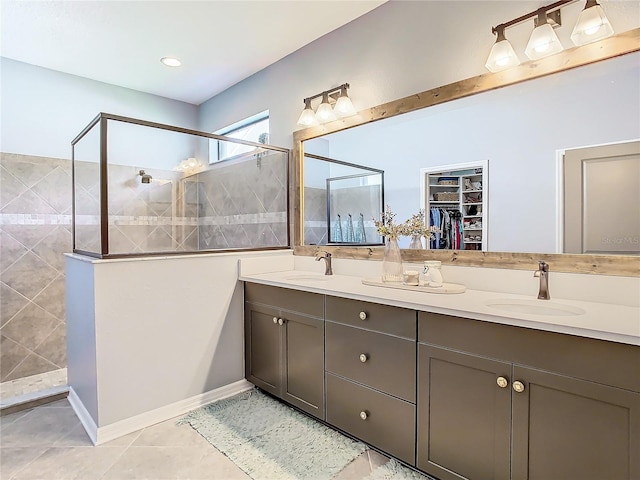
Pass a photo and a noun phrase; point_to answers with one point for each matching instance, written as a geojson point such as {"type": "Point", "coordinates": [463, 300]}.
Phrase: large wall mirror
{"type": "Point", "coordinates": [522, 131]}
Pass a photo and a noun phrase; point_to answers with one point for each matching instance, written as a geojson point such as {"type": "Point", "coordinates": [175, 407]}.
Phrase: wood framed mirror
{"type": "Point", "coordinates": [623, 265]}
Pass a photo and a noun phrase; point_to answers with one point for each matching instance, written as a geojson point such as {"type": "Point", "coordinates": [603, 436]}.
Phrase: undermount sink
{"type": "Point", "coordinates": [535, 307]}
{"type": "Point", "coordinates": [307, 278]}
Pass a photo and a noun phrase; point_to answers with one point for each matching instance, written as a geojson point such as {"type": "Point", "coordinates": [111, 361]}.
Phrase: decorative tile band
{"type": "Point", "coordinates": [34, 219]}
{"type": "Point", "coordinates": [53, 219]}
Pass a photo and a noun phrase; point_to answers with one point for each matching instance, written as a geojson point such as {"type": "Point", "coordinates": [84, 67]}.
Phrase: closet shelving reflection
{"type": "Point", "coordinates": [458, 196]}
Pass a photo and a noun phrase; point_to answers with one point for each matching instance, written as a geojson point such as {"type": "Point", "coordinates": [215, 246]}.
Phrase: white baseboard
{"type": "Point", "coordinates": [83, 415]}
{"type": "Point", "coordinates": [100, 435]}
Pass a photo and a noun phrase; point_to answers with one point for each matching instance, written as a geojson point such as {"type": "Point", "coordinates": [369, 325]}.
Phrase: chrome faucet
{"type": "Point", "coordinates": [543, 273]}
{"type": "Point", "coordinates": [327, 260]}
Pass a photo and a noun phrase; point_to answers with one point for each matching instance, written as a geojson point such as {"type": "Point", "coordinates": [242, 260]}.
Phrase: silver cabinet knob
{"type": "Point", "coordinates": [518, 386]}
{"type": "Point", "coordinates": [364, 415]}
{"type": "Point", "coordinates": [363, 357]}
{"type": "Point", "coordinates": [502, 382]}
{"type": "Point", "coordinates": [363, 315]}
{"type": "Point", "coordinates": [275, 319]}
{"type": "Point", "coordinates": [280, 321]}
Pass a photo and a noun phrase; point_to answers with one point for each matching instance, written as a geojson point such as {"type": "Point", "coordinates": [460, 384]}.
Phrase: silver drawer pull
{"type": "Point", "coordinates": [364, 415]}
{"type": "Point", "coordinates": [502, 382]}
{"type": "Point", "coordinates": [518, 386]}
{"type": "Point", "coordinates": [363, 357]}
{"type": "Point", "coordinates": [363, 315]}
{"type": "Point", "coordinates": [275, 320]}
{"type": "Point", "coordinates": [280, 321]}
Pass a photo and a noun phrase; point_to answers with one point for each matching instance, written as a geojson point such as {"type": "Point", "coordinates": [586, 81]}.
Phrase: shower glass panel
{"type": "Point", "coordinates": [341, 201]}
{"type": "Point", "coordinates": [86, 192]}
{"type": "Point", "coordinates": [162, 196]}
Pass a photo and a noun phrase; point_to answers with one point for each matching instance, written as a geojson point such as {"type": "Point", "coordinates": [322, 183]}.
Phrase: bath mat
{"type": "Point", "coordinates": [269, 440]}
{"type": "Point", "coordinates": [393, 470]}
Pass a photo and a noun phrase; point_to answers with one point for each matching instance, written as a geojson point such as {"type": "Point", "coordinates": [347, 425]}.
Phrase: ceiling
{"type": "Point", "coordinates": [121, 42]}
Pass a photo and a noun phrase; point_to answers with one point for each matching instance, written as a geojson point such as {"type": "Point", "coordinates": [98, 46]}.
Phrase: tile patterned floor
{"type": "Point", "coordinates": [49, 443]}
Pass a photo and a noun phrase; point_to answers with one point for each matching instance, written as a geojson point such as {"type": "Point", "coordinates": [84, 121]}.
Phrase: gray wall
{"type": "Point", "coordinates": [398, 49]}
{"type": "Point", "coordinates": [43, 110]}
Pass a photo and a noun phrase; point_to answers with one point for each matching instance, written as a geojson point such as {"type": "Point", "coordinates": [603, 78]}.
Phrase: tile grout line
{"type": "Point", "coordinates": [125, 450]}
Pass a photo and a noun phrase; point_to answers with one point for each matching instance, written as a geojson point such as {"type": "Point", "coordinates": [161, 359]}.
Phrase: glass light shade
{"type": "Point", "coordinates": [592, 25]}
{"type": "Point", "coordinates": [307, 118]}
{"type": "Point", "coordinates": [501, 57]}
{"type": "Point", "coordinates": [344, 107]}
{"type": "Point", "coordinates": [325, 112]}
{"type": "Point", "coordinates": [543, 42]}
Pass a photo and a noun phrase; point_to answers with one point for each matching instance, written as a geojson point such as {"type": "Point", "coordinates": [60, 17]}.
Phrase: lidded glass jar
{"type": "Point", "coordinates": [432, 274]}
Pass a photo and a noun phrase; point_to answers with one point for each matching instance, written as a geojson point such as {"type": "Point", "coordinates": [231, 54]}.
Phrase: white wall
{"type": "Point", "coordinates": [153, 332]}
{"type": "Point", "coordinates": [43, 110]}
{"type": "Point", "coordinates": [398, 49]}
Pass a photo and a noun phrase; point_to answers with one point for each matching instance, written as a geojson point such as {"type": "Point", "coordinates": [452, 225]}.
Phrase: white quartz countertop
{"type": "Point", "coordinates": [618, 323]}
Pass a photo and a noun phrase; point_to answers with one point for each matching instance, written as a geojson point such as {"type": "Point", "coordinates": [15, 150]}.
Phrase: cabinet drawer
{"type": "Point", "coordinates": [389, 423]}
{"type": "Point", "coordinates": [381, 318]}
{"type": "Point", "coordinates": [390, 362]}
{"type": "Point", "coordinates": [285, 298]}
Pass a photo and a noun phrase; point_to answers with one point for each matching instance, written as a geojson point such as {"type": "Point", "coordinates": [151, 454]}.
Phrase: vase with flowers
{"type": "Point", "coordinates": [416, 228]}
{"type": "Point", "coordinates": [392, 258]}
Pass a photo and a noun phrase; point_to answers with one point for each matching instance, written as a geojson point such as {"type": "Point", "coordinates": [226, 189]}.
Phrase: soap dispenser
{"type": "Point", "coordinates": [432, 274]}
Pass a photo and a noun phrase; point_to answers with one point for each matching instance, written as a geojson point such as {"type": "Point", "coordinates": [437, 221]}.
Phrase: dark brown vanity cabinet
{"type": "Point", "coordinates": [284, 344]}
{"type": "Point", "coordinates": [371, 373]}
{"type": "Point", "coordinates": [502, 402]}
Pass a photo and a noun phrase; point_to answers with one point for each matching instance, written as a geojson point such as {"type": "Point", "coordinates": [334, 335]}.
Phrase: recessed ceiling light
{"type": "Point", "coordinates": [171, 62]}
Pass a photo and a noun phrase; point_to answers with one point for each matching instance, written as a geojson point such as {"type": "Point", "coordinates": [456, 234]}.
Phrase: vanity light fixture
{"type": "Point", "coordinates": [543, 40]}
{"type": "Point", "coordinates": [592, 25]}
{"type": "Point", "coordinates": [502, 55]}
{"type": "Point", "coordinates": [324, 113]}
{"type": "Point", "coordinates": [342, 107]}
{"type": "Point", "coordinates": [170, 61]}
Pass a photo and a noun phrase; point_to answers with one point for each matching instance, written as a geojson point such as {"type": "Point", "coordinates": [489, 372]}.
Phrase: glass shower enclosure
{"type": "Point", "coordinates": [144, 188]}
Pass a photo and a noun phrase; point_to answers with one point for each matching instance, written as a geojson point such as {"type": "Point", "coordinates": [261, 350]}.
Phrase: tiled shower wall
{"type": "Point", "coordinates": [354, 201]}
{"type": "Point", "coordinates": [232, 205]}
{"type": "Point", "coordinates": [242, 204]}
{"type": "Point", "coordinates": [35, 231]}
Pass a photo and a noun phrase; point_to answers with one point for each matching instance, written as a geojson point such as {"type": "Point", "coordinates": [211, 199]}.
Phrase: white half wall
{"type": "Point", "coordinates": [167, 330]}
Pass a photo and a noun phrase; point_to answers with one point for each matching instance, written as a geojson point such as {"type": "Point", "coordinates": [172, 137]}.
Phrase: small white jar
{"type": "Point", "coordinates": [432, 273]}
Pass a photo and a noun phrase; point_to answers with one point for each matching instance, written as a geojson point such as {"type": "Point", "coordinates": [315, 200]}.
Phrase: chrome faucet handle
{"type": "Point", "coordinates": [542, 267]}
{"type": "Point", "coordinates": [326, 256]}
{"type": "Point", "coordinates": [543, 274]}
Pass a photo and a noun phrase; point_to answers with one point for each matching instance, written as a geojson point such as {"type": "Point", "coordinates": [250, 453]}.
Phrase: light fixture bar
{"type": "Point", "coordinates": [527, 16]}
{"type": "Point", "coordinates": [329, 92]}
{"type": "Point", "coordinates": [342, 107]}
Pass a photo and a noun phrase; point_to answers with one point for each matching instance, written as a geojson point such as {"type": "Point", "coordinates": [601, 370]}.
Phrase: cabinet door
{"type": "Point", "coordinates": [262, 347]}
{"type": "Point", "coordinates": [569, 428]}
{"type": "Point", "coordinates": [464, 416]}
{"type": "Point", "coordinates": [304, 362]}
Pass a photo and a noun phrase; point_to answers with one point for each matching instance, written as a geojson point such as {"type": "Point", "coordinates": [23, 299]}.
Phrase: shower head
{"type": "Point", "coordinates": [146, 178]}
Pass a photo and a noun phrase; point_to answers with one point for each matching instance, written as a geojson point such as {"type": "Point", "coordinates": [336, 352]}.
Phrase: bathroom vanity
{"type": "Point", "coordinates": [446, 387]}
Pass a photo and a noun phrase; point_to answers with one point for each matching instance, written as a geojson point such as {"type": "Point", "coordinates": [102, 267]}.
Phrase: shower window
{"type": "Point", "coordinates": [254, 129]}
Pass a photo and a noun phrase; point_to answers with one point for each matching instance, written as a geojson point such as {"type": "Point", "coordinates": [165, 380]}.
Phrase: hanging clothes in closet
{"type": "Point", "coordinates": [450, 224]}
